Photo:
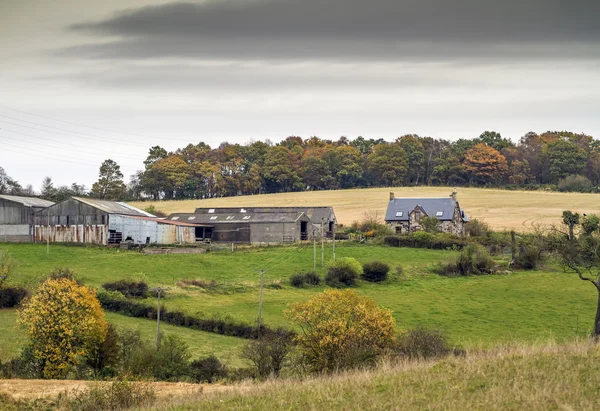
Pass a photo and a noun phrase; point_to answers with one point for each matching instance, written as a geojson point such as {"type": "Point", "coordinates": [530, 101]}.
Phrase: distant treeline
{"type": "Point", "coordinates": [563, 160]}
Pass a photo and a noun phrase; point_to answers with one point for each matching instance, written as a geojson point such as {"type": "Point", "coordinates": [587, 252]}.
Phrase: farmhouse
{"type": "Point", "coordinates": [87, 220]}
{"type": "Point", "coordinates": [244, 226]}
{"type": "Point", "coordinates": [16, 217]}
{"type": "Point", "coordinates": [403, 215]}
{"type": "Point", "coordinates": [322, 217]}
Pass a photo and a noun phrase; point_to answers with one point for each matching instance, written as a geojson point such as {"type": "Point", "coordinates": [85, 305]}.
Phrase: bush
{"type": "Point", "coordinates": [207, 370]}
{"type": "Point", "coordinates": [172, 359]}
{"type": "Point", "coordinates": [423, 342]}
{"type": "Point", "coordinates": [343, 273]}
{"type": "Point", "coordinates": [26, 366]}
{"type": "Point", "coordinates": [575, 183]}
{"type": "Point", "coordinates": [118, 395]}
{"type": "Point", "coordinates": [422, 239]}
{"type": "Point", "coordinates": [128, 288]}
{"type": "Point", "coordinates": [11, 296]}
{"type": "Point", "coordinates": [341, 330]}
{"type": "Point", "coordinates": [477, 228]}
{"type": "Point", "coordinates": [430, 224]}
{"type": "Point", "coordinates": [268, 354]}
{"type": "Point", "coordinates": [300, 280]}
{"type": "Point", "coordinates": [154, 211]}
{"type": "Point", "coordinates": [297, 280]}
{"type": "Point", "coordinates": [375, 272]}
{"type": "Point", "coordinates": [473, 260]}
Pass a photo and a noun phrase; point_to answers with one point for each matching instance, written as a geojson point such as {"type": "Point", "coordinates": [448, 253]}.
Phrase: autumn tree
{"type": "Point", "coordinates": [340, 329]}
{"type": "Point", "coordinates": [110, 185]}
{"type": "Point", "coordinates": [64, 322]}
{"type": "Point", "coordinates": [389, 164]}
{"type": "Point", "coordinates": [485, 164]}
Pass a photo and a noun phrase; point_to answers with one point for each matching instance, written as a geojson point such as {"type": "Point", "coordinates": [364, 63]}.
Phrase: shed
{"type": "Point", "coordinates": [16, 217]}
{"type": "Point", "coordinates": [317, 214]}
{"type": "Point", "coordinates": [241, 226]}
{"type": "Point", "coordinates": [87, 220]}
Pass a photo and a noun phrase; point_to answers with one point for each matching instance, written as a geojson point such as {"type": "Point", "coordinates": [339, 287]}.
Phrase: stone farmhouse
{"type": "Point", "coordinates": [403, 215]}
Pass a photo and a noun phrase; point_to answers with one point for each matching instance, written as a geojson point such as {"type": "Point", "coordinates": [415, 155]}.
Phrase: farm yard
{"type": "Point", "coordinates": [474, 311]}
{"type": "Point", "coordinates": [501, 209]}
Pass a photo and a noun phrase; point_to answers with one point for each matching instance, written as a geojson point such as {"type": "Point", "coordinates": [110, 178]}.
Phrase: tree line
{"type": "Point", "coordinates": [561, 160]}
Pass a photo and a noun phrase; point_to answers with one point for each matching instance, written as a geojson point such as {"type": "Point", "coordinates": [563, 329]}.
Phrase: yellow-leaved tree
{"type": "Point", "coordinates": [64, 321]}
{"type": "Point", "coordinates": [341, 329]}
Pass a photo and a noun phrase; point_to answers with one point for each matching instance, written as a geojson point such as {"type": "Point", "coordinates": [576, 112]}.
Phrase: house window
{"type": "Point", "coordinates": [399, 214]}
{"type": "Point", "coordinates": [439, 213]}
{"type": "Point", "coordinates": [417, 215]}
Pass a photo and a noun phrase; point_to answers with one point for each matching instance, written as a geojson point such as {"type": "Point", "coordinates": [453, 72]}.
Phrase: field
{"type": "Point", "coordinates": [502, 209]}
{"type": "Point", "coordinates": [475, 311]}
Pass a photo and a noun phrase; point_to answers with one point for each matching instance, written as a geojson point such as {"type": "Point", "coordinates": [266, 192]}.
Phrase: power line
{"type": "Point", "coordinates": [94, 151]}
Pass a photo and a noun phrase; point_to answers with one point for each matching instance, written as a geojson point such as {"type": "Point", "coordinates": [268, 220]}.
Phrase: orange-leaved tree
{"type": "Point", "coordinates": [64, 321]}
{"type": "Point", "coordinates": [341, 329]}
{"type": "Point", "coordinates": [485, 165]}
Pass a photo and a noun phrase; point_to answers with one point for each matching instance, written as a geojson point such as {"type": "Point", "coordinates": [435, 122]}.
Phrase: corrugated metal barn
{"type": "Point", "coordinates": [87, 220]}
{"type": "Point", "coordinates": [16, 217]}
{"type": "Point", "coordinates": [242, 226]}
{"type": "Point", "coordinates": [317, 214]}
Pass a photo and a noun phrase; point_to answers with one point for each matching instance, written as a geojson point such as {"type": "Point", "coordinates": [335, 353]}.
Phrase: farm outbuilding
{"type": "Point", "coordinates": [16, 217]}
{"type": "Point", "coordinates": [92, 221]}
{"type": "Point", "coordinates": [242, 226]}
{"type": "Point", "coordinates": [318, 215]}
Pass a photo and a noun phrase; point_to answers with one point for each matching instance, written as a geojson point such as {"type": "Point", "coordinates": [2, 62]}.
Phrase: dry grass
{"type": "Point", "coordinates": [502, 209]}
{"type": "Point", "coordinates": [511, 377]}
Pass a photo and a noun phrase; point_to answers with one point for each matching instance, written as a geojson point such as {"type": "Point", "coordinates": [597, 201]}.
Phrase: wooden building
{"type": "Point", "coordinates": [17, 215]}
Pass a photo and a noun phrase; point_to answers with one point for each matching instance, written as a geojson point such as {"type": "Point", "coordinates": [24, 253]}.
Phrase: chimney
{"type": "Point", "coordinates": [392, 196]}
{"type": "Point", "coordinates": [454, 194]}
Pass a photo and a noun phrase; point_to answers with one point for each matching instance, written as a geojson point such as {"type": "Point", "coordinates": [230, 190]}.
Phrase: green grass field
{"type": "Point", "coordinates": [482, 310]}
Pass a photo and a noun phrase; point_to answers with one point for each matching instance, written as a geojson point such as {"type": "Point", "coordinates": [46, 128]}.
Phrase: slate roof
{"type": "Point", "coordinates": [169, 222]}
{"type": "Point", "coordinates": [28, 201]}
{"type": "Point", "coordinates": [113, 207]}
{"type": "Point", "coordinates": [431, 206]}
{"type": "Point", "coordinates": [236, 218]}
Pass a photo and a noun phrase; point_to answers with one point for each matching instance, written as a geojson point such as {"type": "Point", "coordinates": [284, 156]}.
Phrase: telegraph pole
{"type": "Point", "coordinates": [158, 291]}
{"type": "Point", "coordinates": [314, 252]}
{"type": "Point", "coordinates": [333, 235]}
{"type": "Point", "coordinates": [322, 244]}
{"type": "Point", "coordinates": [260, 299]}
{"type": "Point", "coordinates": [47, 233]}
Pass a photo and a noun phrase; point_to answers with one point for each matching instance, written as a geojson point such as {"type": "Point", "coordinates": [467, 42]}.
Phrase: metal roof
{"type": "Point", "coordinates": [227, 218]}
{"type": "Point", "coordinates": [169, 222]}
{"type": "Point", "coordinates": [315, 213]}
{"type": "Point", "coordinates": [28, 201]}
{"type": "Point", "coordinates": [113, 207]}
{"type": "Point", "coordinates": [441, 208]}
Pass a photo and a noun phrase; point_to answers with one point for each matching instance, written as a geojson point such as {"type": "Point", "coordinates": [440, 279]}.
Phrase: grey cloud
{"type": "Point", "coordinates": [348, 29]}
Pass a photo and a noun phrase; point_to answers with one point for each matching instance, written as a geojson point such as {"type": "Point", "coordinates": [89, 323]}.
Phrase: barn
{"type": "Point", "coordinates": [319, 215]}
{"type": "Point", "coordinates": [16, 217]}
{"type": "Point", "coordinates": [92, 221]}
{"type": "Point", "coordinates": [243, 226]}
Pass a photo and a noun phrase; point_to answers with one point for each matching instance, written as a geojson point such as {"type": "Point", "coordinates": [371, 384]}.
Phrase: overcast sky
{"type": "Point", "coordinates": [82, 81]}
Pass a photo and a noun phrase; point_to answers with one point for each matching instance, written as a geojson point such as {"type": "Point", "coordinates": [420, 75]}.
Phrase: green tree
{"type": "Point", "coordinates": [154, 154]}
{"type": "Point", "coordinates": [495, 140]}
{"type": "Point", "coordinates": [389, 164]}
{"type": "Point", "coordinates": [565, 158]}
{"type": "Point", "coordinates": [281, 170]}
{"type": "Point", "coordinates": [110, 185]}
{"type": "Point", "coordinates": [413, 147]}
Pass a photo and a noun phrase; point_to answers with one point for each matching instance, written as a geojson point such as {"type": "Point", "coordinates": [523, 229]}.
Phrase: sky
{"type": "Point", "coordinates": [82, 81]}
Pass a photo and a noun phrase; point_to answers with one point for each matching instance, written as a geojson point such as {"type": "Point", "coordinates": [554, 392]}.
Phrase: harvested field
{"type": "Point", "coordinates": [502, 209]}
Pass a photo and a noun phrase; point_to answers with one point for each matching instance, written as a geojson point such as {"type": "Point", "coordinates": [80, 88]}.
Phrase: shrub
{"type": "Point", "coordinates": [118, 395]}
{"type": "Point", "coordinates": [8, 266]}
{"type": "Point", "coordinates": [477, 228]}
{"type": "Point", "coordinates": [430, 224]}
{"type": "Point", "coordinates": [423, 342]}
{"type": "Point", "coordinates": [26, 366]}
{"type": "Point", "coordinates": [11, 296]}
{"type": "Point", "coordinates": [128, 288]}
{"type": "Point", "coordinates": [341, 330]}
{"type": "Point", "coordinates": [297, 280]}
{"type": "Point", "coordinates": [473, 260]}
{"type": "Point", "coordinates": [268, 354]}
{"type": "Point", "coordinates": [422, 239]}
{"type": "Point", "coordinates": [343, 273]}
{"type": "Point", "coordinates": [172, 359]}
{"type": "Point", "coordinates": [105, 355]}
{"type": "Point", "coordinates": [312, 278]}
{"type": "Point", "coordinates": [63, 320]}
{"type": "Point", "coordinates": [153, 210]}
{"type": "Point", "coordinates": [59, 272]}
{"type": "Point", "coordinates": [575, 183]}
{"type": "Point", "coordinates": [375, 272]}
{"type": "Point", "coordinates": [208, 369]}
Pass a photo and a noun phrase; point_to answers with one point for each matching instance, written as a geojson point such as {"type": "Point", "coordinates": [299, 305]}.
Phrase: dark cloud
{"type": "Point", "coordinates": [348, 29]}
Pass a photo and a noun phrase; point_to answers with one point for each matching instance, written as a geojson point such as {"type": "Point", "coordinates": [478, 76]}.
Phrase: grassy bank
{"type": "Point", "coordinates": [517, 377]}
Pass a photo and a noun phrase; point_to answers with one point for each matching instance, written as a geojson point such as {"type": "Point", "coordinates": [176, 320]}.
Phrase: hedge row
{"type": "Point", "coordinates": [423, 239]}
{"type": "Point", "coordinates": [224, 326]}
